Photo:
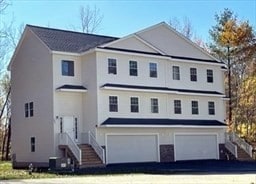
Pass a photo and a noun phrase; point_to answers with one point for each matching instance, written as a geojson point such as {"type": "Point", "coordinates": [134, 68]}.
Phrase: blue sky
{"type": "Point", "coordinates": [125, 17]}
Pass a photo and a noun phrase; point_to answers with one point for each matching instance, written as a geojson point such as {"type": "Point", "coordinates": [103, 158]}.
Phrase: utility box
{"type": "Point", "coordinates": [59, 163]}
{"type": "Point", "coordinates": [54, 163]}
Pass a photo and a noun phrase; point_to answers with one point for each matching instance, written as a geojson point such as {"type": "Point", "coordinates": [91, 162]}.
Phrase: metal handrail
{"type": "Point", "coordinates": [65, 139]}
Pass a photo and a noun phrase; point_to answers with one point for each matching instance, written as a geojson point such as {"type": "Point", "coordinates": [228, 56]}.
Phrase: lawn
{"type": "Point", "coordinates": [7, 173]}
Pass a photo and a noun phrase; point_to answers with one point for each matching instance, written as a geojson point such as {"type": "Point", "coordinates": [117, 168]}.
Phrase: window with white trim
{"type": "Point", "coordinates": [209, 76]}
{"type": "Point", "coordinates": [211, 108]}
{"type": "Point", "coordinates": [133, 68]}
{"type": "Point", "coordinates": [194, 106]}
{"type": "Point", "coordinates": [177, 106]}
{"type": "Point", "coordinates": [67, 68]}
{"type": "Point", "coordinates": [134, 104]}
{"type": "Point", "coordinates": [112, 68]}
{"type": "Point", "coordinates": [176, 72]}
{"type": "Point", "coordinates": [193, 74]}
{"type": "Point", "coordinates": [113, 104]}
{"type": "Point", "coordinates": [154, 105]}
{"type": "Point", "coordinates": [153, 70]}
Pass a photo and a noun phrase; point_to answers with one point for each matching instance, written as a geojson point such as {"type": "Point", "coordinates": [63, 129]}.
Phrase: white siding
{"type": "Point", "coordinates": [171, 43]}
{"type": "Point", "coordinates": [166, 135]}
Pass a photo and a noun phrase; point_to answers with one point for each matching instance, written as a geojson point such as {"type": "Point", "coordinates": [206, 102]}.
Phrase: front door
{"type": "Point", "coordinates": [70, 126]}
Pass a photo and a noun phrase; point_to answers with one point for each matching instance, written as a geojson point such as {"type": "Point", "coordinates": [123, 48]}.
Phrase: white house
{"type": "Point", "coordinates": [152, 96]}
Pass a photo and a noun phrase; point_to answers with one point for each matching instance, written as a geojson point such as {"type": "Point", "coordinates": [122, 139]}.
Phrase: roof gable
{"type": "Point", "coordinates": [69, 41]}
{"type": "Point", "coordinates": [132, 42]}
{"type": "Point", "coordinates": [171, 42]}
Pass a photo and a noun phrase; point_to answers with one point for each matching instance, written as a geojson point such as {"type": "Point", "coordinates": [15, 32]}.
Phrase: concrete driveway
{"type": "Point", "coordinates": [147, 179]}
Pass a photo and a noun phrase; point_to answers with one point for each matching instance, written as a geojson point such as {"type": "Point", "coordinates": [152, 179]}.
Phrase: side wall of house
{"type": "Point", "coordinates": [31, 81]}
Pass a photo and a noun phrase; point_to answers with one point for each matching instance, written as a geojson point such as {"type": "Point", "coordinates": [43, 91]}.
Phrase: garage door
{"type": "Point", "coordinates": [195, 147]}
{"type": "Point", "coordinates": [132, 148]}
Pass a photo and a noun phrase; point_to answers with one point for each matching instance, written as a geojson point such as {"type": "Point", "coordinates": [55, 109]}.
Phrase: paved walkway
{"type": "Point", "coordinates": [147, 179]}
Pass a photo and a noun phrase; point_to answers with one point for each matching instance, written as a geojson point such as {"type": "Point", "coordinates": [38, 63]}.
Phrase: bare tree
{"type": "Point", "coordinates": [3, 5]}
{"type": "Point", "coordinates": [90, 19]}
{"type": "Point", "coordinates": [184, 28]}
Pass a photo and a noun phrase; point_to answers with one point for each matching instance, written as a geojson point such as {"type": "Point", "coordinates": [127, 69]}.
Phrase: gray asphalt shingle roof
{"type": "Point", "coordinates": [69, 41]}
{"type": "Point", "coordinates": [168, 122]}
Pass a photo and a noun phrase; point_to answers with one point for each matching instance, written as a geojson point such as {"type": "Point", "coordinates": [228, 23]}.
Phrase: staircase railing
{"type": "Point", "coordinates": [65, 139]}
{"type": "Point", "coordinates": [242, 143]}
{"type": "Point", "coordinates": [230, 146]}
{"type": "Point", "coordinates": [89, 138]}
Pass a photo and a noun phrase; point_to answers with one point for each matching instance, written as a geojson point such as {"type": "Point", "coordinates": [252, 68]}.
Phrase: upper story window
{"type": "Point", "coordinates": [154, 105]}
{"type": "Point", "coordinates": [133, 68]}
{"type": "Point", "coordinates": [67, 68]}
{"type": "Point", "coordinates": [176, 73]}
{"type": "Point", "coordinates": [32, 144]}
{"type": "Point", "coordinates": [194, 105]}
{"type": "Point", "coordinates": [209, 76]}
{"type": "Point", "coordinates": [113, 104]}
{"type": "Point", "coordinates": [29, 109]}
{"type": "Point", "coordinates": [211, 108]}
{"type": "Point", "coordinates": [177, 106]}
{"type": "Point", "coordinates": [134, 104]}
{"type": "Point", "coordinates": [153, 70]}
{"type": "Point", "coordinates": [193, 74]}
{"type": "Point", "coordinates": [112, 66]}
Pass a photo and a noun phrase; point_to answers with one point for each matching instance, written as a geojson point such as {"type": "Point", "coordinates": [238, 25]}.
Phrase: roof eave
{"type": "Point", "coordinates": [164, 126]}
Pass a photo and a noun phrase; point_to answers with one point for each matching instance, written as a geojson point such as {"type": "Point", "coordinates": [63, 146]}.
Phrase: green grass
{"type": "Point", "coordinates": [7, 173]}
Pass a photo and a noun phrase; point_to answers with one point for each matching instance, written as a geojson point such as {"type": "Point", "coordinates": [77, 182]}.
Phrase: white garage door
{"type": "Point", "coordinates": [195, 147]}
{"type": "Point", "coordinates": [132, 148]}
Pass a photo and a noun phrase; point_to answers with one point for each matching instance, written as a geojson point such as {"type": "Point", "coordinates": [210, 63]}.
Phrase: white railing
{"type": "Point", "coordinates": [231, 147]}
{"type": "Point", "coordinates": [242, 143]}
{"type": "Point", "coordinates": [89, 138]}
{"type": "Point", "coordinates": [65, 139]}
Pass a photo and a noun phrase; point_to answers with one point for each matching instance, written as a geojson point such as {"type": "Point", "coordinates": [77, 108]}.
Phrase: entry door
{"type": "Point", "coordinates": [70, 126]}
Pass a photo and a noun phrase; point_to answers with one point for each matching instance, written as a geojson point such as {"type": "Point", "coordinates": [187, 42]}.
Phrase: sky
{"type": "Point", "coordinates": [121, 18]}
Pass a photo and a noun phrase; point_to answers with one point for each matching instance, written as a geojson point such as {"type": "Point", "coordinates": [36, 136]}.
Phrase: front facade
{"type": "Point", "coordinates": [152, 96]}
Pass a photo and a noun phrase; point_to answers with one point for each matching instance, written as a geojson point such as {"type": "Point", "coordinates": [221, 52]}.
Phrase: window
{"type": "Point", "coordinates": [67, 68]}
{"type": "Point", "coordinates": [113, 104]}
{"type": "Point", "coordinates": [194, 105]}
{"type": "Point", "coordinates": [134, 104]}
{"type": "Point", "coordinates": [133, 68]}
{"type": "Point", "coordinates": [29, 109]}
{"type": "Point", "coordinates": [26, 110]}
{"type": "Point", "coordinates": [153, 70]}
{"type": "Point", "coordinates": [154, 105]}
{"type": "Point", "coordinates": [32, 144]}
{"type": "Point", "coordinates": [193, 75]}
{"type": "Point", "coordinates": [177, 107]}
{"type": "Point", "coordinates": [211, 108]}
{"type": "Point", "coordinates": [112, 66]}
{"type": "Point", "coordinates": [76, 129]}
{"type": "Point", "coordinates": [61, 125]}
{"type": "Point", "coordinates": [176, 73]}
{"type": "Point", "coordinates": [209, 76]}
